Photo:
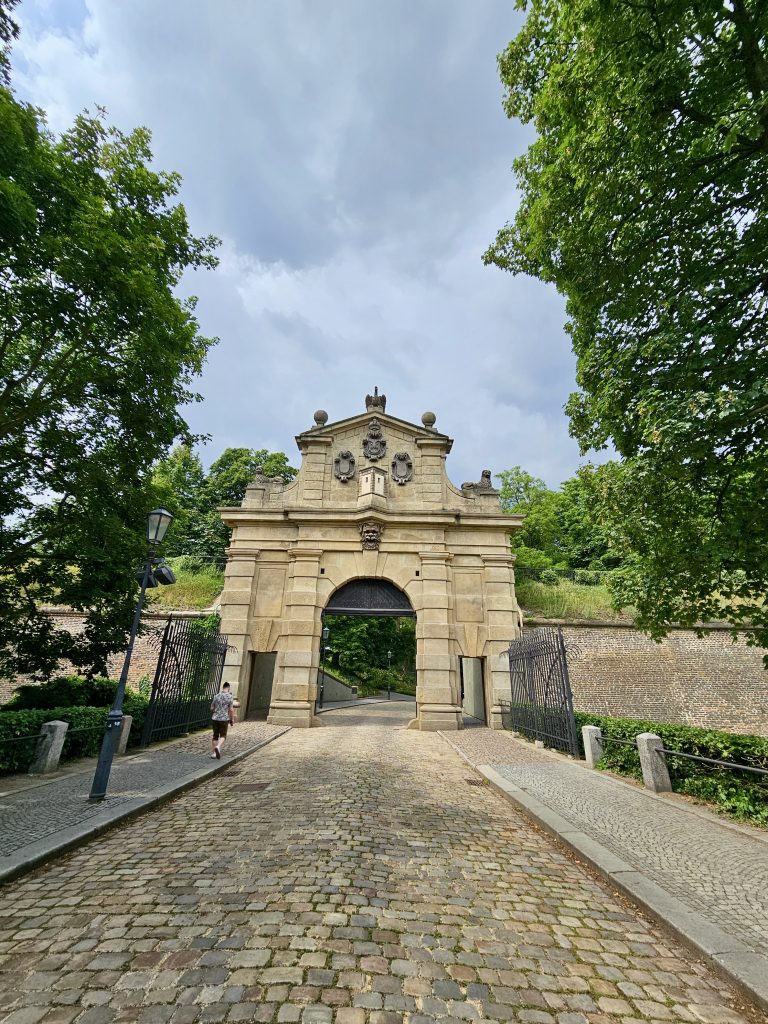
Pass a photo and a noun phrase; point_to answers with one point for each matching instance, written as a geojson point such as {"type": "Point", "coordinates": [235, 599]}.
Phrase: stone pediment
{"type": "Point", "coordinates": [357, 427]}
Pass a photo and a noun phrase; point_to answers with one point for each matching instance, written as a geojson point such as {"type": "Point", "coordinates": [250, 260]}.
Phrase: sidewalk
{"type": "Point", "coordinates": [701, 875]}
{"type": "Point", "coordinates": [43, 816]}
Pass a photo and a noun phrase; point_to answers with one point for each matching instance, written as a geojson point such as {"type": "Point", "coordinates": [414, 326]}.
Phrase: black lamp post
{"type": "Point", "coordinates": [323, 649]}
{"type": "Point", "coordinates": [389, 678]}
{"type": "Point", "coordinates": [153, 573]}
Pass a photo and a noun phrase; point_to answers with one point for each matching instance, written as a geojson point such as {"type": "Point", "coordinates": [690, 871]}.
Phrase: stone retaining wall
{"type": "Point", "coordinates": [145, 650]}
{"type": "Point", "coordinates": [708, 681]}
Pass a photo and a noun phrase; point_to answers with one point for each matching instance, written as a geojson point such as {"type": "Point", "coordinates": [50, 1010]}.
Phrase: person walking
{"type": "Point", "coordinates": [222, 715]}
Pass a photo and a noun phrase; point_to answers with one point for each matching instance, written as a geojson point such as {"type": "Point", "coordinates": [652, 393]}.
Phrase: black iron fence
{"type": "Point", "coordinates": [541, 705]}
{"type": "Point", "coordinates": [187, 677]}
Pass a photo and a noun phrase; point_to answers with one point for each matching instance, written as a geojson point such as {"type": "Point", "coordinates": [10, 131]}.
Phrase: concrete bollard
{"type": "Point", "coordinates": [592, 736]}
{"type": "Point", "coordinates": [125, 732]}
{"type": "Point", "coordinates": [653, 764]}
{"type": "Point", "coordinates": [48, 749]}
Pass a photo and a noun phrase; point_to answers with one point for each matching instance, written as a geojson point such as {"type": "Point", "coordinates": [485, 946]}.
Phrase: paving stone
{"type": "Point", "coordinates": [367, 884]}
{"type": "Point", "coordinates": [683, 852]}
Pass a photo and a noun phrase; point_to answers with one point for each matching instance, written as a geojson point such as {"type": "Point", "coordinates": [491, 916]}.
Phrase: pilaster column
{"type": "Point", "coordinates": [504, 625]}
{"type": "Point", "coordinates": [437, 690]}
{"type": "Point", "coordinates": [298, 650]}
{"type": "Point", "coordinates": [235, 611]}
{"type": "Point", "coordinates": [314, 465]}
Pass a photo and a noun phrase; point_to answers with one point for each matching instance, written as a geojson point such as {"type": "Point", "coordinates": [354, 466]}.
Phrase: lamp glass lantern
{"type": "Point", "coordinates": [158, 521]}
{"type": "Point", "coordinates": [326, 632]}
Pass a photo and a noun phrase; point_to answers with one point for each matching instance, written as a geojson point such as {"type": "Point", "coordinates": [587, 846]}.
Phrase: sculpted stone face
{"type": "Point", "coordinates": [371, 535]}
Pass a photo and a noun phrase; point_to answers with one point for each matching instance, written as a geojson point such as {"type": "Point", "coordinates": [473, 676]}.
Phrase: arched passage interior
{"type": "Point", "coordinates": [373, 599]}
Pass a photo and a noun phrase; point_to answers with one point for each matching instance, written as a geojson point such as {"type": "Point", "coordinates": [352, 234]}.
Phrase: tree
{"type": "Point", "coordinates": [195, 496]}
{"type": "Point", "coordinates": [8, 30]}
{"type": "Point", "coordinates": [179, 479]}
{"type": "Point", "coordinates": [360, 643]}
{"type": "Point", "coordinates": [537, 542]}
{"type": "Point", "coordinates": [644, 199]}
{"type": "Point", "coordinates": [560, 528]}
{"type": "Point", "coordinates": [97, 354]}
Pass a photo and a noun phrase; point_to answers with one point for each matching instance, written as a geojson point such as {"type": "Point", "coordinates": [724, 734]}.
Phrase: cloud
{"type": "Point", "coordinates": [355, 159]}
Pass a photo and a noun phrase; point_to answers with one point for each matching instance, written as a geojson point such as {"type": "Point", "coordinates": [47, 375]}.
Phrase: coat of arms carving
{"type": "Point", "coordinates": [344, 466]}
{"type": "Point", "coordinates": [374, 443]}
{"type": "Point", "coordinates": [402, 468]}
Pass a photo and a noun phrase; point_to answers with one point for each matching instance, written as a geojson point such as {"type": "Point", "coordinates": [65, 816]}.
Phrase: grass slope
{"type": "Point", "coordinates": [568, 601]}
{"type": "Point", "coordinates": [194, 587]}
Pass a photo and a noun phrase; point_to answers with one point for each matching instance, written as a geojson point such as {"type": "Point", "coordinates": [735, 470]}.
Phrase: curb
{"type": "Point", "coordinates": [735, 962]}
{"type": "Point", "coordinates": [29, 857]}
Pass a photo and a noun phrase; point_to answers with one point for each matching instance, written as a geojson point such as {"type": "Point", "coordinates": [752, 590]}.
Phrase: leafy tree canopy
{"type": "Point", "coordinates": [9, 30]}
{"type": "Point", "coordinates": [194, 495]}
{"type": "Point", "coordinates": [560, 528]}
{"type": "Point", "coordinates": [644, 199]}
{"type": "Point", "coordinates": [358, 643]}
{"type": "Point", "coordinates": [97, 354]}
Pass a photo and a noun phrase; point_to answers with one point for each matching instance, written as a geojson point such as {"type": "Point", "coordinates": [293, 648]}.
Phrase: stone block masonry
{"type": "Point", "coordinates": [145, 651]}
{"type": "Point", "coordinates": [708, 681]}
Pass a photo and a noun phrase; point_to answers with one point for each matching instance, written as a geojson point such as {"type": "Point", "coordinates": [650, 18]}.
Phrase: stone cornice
{"type": "Point", "coordinates": [350, 516]}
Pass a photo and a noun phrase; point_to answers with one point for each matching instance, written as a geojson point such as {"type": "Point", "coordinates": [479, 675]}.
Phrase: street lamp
{"type": "Point", "coordinates": [323, 649]}
{"type": "Point", "coordinates": [389, 678]}
{"type": "Point", "coordinates": [155, 572]}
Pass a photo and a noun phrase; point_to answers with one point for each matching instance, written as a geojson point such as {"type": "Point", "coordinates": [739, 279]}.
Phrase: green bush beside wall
{"type": "Point", "coordinates": [31, 706]}
{"type": "Point", "coordinates": [738, 793]}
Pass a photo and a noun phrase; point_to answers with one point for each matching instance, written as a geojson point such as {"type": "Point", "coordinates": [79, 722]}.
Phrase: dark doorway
{"type": "Point", "coordinates": [473, 688]}
{"type": "Point", "coordinates": [260, 688]}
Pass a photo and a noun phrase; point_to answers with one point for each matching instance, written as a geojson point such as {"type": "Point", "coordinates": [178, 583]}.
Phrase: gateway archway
{"type": "Point", "coordinates": [373, 609]}
{"type": "Point", "coordinates": [373, 512]}
{"type": "Point", "coordinates": [369, 597]}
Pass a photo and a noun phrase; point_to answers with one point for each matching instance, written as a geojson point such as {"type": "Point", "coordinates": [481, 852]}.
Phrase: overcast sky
{"type": "Point", "coordinates": [354, 159]}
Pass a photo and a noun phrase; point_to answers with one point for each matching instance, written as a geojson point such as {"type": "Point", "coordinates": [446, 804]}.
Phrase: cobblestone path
{"type": "Point", "coordinates": [30, 811]}
{"type": "Point", "coordinates": [721, 871]}
{"type": "Point", "coordinates": [366, 882]}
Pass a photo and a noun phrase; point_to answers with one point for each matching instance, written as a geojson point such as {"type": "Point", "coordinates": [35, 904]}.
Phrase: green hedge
{"type": "Point", "coordinates": [740, 794]}
{"type": "Point", "coordinates": [63, 692]}
{"type": "Point", "coordinates": [83, 739]}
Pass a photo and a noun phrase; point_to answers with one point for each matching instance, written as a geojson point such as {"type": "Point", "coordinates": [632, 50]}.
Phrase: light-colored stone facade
{"type": "Point", "coordinates": [446, 548]}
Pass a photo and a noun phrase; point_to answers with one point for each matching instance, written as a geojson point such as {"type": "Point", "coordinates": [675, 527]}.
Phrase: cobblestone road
{"type": "Point", "coordinates": [346, 873]}
{"type": "Point", "coordinates": [30, 811]}
{"type": "Point", "coordinates": [721, 871]}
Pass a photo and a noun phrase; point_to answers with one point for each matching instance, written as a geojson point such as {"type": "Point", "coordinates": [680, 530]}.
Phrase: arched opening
{"type": "Point", "coordinates": [368, 646]}
{"type": "Point", "coordinates": [369, 597]}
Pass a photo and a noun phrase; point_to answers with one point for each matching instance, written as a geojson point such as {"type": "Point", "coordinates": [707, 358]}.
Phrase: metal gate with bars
{"type": "Point", "coordinates": [542, 705]}
{"type": "Point", "coordinates": [187, 677]}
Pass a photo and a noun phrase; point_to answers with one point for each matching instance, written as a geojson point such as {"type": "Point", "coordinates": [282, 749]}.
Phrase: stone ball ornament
{"type": "Point", "coordinates": [321, 417]}
{"type": "Point", "coordinates": [429, 419]}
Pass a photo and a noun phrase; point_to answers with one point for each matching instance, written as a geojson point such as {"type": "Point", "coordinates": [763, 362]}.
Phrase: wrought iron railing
{"type": "Point", "coordinates": [187, 677]}
{"type": "Point", "coordinates": [541, 705]}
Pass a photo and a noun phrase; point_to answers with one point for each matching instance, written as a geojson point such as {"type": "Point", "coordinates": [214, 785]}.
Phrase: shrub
{"type": "Point", "coordinates": [84, 703]}
{"type": "Point", "coordinates": [588, 577]}
{"type": "Point", "coordinates": [64, 691]}
{"type": "Point", "coordinates": [531, 557]}
{"type": "Point", "coordinates": [550, 577]}
{"type": "Point", "coordinates": [738, 793]}
{"type": "Point", "coordinates": [83, 739]}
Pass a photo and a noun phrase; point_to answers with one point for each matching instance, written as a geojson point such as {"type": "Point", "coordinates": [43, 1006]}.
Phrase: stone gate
{"type": "Point", "coordinates": [371, 501]}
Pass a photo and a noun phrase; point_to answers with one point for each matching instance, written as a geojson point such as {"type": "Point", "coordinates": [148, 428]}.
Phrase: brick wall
{"type": "Point", "coordinates": [145, 650]}
{"type": "Point", "coordinates": [709, 681]}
